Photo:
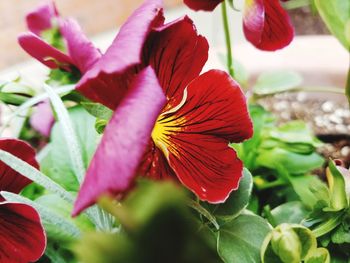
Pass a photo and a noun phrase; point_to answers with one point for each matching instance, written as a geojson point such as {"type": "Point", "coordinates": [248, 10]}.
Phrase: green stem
{"type": "Point", "coordinates": [347, 87]}
{"type": "Point", "coordinates": [321, 89]}
{"type": "Point", "coordinates": [228, 38]}
{"type": "Point", "coordinates": [296, 4]}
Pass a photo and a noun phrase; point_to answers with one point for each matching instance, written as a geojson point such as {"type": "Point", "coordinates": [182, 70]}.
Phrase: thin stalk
{"type": "Point", "coordinates": [227, 38]}
{"type": "Point", "coordinates": [296, 4]}
{"type": "Point", "coordinates": [347, 87]}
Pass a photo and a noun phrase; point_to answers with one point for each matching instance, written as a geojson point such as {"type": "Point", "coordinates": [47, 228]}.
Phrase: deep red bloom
{"type": "Point", "coordinates": [265, 23]}
{"type": "Point", "coordinates": [184, 135]}
{"type": "Point", "coordinates": [81, 53]}
{"type": "Point", "coordinates": [22, 234]}
{"type": "Point", "coordinates": [206, 5]}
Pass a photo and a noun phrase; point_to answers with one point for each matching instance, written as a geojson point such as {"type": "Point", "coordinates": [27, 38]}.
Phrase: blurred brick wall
{"type": "Point", "coordinates": [94, 16]}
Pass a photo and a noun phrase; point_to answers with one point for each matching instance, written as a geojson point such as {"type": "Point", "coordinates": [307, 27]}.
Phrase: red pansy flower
{"type": "Point", "coordinates": [80, 52]}
{"type": "Point", "coordinates": [265, 23]}
{"type": "Point", "coordinates": [22, 237]}
{"type": "Point", "coordinates": [169, 121]}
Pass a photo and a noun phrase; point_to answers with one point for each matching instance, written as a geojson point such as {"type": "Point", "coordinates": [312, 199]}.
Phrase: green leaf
{"type": "Point", "coordinates": [57, 163]}
{"type": "Point", "coordinates": [296, 133]}
{"type": "Point", "coordinates": [275, 82]}
{"type": "Point", "coordinates": [12, 99]}
{"type": "Point", "coordinates": [291, 212]}
{"type": "Point", "coordinates": [336, 15]}
{"type": "Point", "coordinates": [240, 239]}
{"type": "Point", "coordinates": [336, 182]}
{"type": "Point", "coordinates": [341, 234]}
{"type": "Point", "coordinates": [294, 163]}
{"type": "Point", "coordinates": [320, 255]}
{"type": "Point", "coordinates": [310, 189]}
{"type": "Point", "coordinates": [70, 137]}
{"type": "Point", "coordinates": [98, 110]}
{"type": "Point", "coordinates": [237, 201]}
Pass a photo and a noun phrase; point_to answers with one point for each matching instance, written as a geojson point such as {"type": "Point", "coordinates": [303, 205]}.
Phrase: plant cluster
{"type": "Point", "coordinates": [137, 156]}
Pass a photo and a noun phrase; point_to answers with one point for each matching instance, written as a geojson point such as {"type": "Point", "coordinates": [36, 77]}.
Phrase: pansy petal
{"type": "Point", "coordinates": [114, 165]}
{"type": "Point", "coordinates": [177, 53]}
{"type": "Point", "coordinates": [205, 5]}
{"type": "Point", "coordinates": [205, 165]}
{"type": "Point", "coordinates": [22, 234]}
{"type": "Point", "coordinates": [212, 104]}
{"type": "Point", "coordinates": [41, 18]}
{"type": "Point", "coordinates": [277, 31]}
{"type": "Point", "coordinates": [80, 49]}
{"type": "Point", "coordinates": [108, 80]}
{"type": "Point", "coordinates": [10, 180]}
{"type": "Point", "coordinates": [42, 119]}
{"type": "Point", "coordinates": [43, 52]}
{"type": "Point", "coordinates": [154, 164]}
{"type": "Point", "coordinates": [194, 135]}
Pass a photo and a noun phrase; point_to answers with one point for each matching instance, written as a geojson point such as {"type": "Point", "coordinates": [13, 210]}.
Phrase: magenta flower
{"type": "Point", "coordinates": [169, 121]}
{"type": "Point", "coordinates": [265, 23]}
{"type": "Point", "coordinates": [81, 53]}
{"type": "Point", "coordinates": [22, 237]}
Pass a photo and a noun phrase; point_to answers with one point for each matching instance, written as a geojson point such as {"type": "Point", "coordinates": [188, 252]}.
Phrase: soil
{"type": "Point", "coordinates": [328, 117]}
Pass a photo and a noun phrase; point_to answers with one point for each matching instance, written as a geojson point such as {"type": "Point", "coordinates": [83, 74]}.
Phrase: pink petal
{"type": "Point", "coordinates": [42, 119]}
{"type": "Point", "coordinates": [81, 50]}
{"type": "Point", "coordinates": [124, 142]}
{"type": "Point", "coordinates": [41, 18]}
{"type": "Point", "coordinates": [42, 51]}
{"type": "Point", "coordinates": [22, 236]}
{"type": "Point", "coordinates": [107, 81]}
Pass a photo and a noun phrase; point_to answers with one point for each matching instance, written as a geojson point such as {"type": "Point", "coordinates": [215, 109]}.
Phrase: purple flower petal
{"type": "Point", "coordinates": [42, 119]}
{"type": "Point", "coordinates": [124, 53]}
{"type": "Point", "coordinates": [80, 49]}
{"type": "Point", "coordinates": [40, 19]}
{"type": "Point", "coordinates": [42, 51]}
{"type": "Point", "coordinates": [124, 142]}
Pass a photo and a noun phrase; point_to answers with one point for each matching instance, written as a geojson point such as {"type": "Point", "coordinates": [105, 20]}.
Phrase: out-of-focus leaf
{"type": "Point", "coordinates": [97, 110]}
{"type": "Point", "coordinates": [157, 227]}
{"type": "Point", "coordinates": [275, 82]}
{"type": "Point", "coordinates": [294, 163]}
{"type": "Point", "coordinates": [336, 15]}
{"type": "Point", "coordinates": [57, 164]}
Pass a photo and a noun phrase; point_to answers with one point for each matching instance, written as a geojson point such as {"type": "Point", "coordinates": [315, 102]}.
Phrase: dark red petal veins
{"type": "Point", "coordinates": [177, 53]}
{"type": "Point", "coordinates": [118, 156]}
{"type": "Point", "coordinates": [154, 164]}
{"type": "Point", "coordinates": [214, 105]}
{"type": "Point", "coordinates": [206, 165]}
{"type": "Point", "coordinates": [10, 180]}
{"type": "Point", "coordinates": [194, 135]}
{"type": "Point", "coordinates": [22, 236]}
{"type": "Point", "coordinates": [205, 5]}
